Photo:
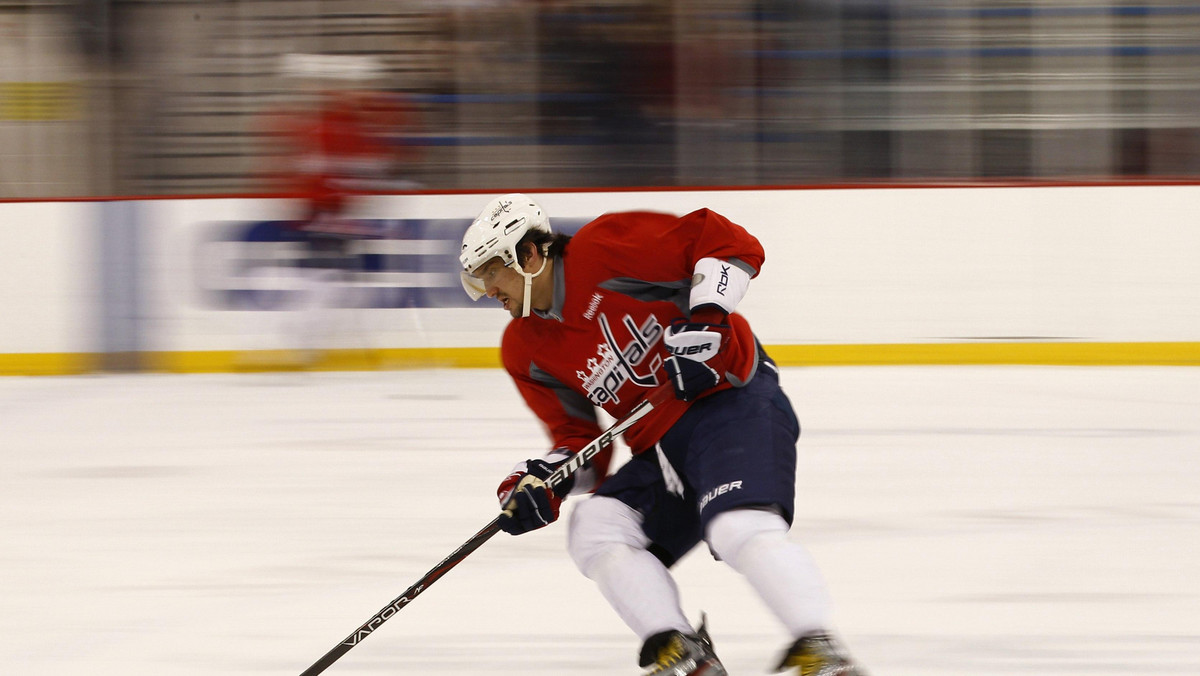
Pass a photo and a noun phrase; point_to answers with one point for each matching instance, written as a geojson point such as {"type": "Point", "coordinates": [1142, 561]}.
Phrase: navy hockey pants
{"type": "Point", "coordinates": [735, 448]}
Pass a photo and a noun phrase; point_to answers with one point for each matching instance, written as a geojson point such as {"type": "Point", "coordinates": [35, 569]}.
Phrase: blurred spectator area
{"type": "Point", "coordinates": [103, 97]}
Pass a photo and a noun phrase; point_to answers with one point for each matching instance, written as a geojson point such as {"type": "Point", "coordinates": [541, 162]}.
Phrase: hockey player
{"type": "Point", "coordinates": [602, 319]}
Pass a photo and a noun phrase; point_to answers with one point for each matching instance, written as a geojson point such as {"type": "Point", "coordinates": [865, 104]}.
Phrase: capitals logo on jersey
{"type": "Point", "coordinates": [615, 364]}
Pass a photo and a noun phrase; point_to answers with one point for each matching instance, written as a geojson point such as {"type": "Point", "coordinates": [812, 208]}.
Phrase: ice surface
{"type": "Point", "coordinates": [969, 520]}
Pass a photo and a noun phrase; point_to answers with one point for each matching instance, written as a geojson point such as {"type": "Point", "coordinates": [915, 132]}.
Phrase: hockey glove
{"type": "Point", "coordinates": [696, 364]}
{"type": "Point", "coordinates": [528, 503]}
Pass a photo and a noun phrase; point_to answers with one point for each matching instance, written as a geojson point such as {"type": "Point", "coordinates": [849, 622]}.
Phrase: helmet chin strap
{"type": "Point", "coordinates": [525, 307]}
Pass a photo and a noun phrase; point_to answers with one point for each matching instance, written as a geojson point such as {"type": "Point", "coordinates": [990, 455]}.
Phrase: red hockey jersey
{"type": "Point", "coordinates": [622, 279]}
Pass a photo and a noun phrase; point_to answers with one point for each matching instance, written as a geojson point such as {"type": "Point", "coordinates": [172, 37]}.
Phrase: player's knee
{"type": "Point", "coordinates": [598, 525]}
{"type": "Point", "coordinates": [729, 532]}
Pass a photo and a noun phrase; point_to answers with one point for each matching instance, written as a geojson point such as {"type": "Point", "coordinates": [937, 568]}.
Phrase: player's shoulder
{"type": "Point", "coordinates": [617, 227]}
{"type": "Point", "coordinates": [628, 219]}
{"type": "Point", "coordinates": [618, 222]}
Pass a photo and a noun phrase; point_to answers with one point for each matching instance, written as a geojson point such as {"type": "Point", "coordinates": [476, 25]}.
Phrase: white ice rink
{"type": "Point", "coordinates": [977, 521]}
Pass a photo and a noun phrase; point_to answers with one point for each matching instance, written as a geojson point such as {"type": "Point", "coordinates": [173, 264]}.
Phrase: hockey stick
{"type": "Point", "coordinates": [564, 470]}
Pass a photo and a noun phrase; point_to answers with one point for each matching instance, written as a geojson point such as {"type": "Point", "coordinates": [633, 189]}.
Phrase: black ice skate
{"type": "Point", "coordinates": [818, 655]}
{"type": "Point", "coordinates": [671, 653]}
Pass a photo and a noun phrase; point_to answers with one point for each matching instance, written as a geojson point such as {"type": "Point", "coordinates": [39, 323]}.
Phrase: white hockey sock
{"type": "Point", "coordinates": [755, 544]}
{"type": "Point", "coordinates": [640, 589]}
{"type": "Point", "coordinates": [607, 543]}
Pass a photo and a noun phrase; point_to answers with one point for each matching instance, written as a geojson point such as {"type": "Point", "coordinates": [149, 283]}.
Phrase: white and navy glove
{"type": "Point", "coordinates": [697, 345]}
{"type": "Point", "coordinates": [697, 362]}
{"type": "Point", "coordinates": [527, 501]}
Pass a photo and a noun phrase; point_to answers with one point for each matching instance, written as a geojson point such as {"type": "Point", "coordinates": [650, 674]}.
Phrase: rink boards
{"type": "Point", "coordinates": [913, 275]}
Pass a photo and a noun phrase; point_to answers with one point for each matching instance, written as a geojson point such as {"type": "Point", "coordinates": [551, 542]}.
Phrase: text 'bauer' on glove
{"type": "Point", "coordinates": [526, 501]}
{"type": "Point", "coordinates": [696, 363]}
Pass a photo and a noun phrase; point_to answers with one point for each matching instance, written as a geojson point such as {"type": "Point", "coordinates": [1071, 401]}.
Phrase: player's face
{"type": "Point", "coordinates": [502, 283]}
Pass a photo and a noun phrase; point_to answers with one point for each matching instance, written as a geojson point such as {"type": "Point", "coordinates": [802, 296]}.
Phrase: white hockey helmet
{"type": "Point", "coordinates": [495, 233]}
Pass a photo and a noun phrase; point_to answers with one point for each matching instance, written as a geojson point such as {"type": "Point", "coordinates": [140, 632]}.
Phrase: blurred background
{"type": "Point", "coordinates": [139, 97]}
{"type": "Point", "coordinates": [985, 521]}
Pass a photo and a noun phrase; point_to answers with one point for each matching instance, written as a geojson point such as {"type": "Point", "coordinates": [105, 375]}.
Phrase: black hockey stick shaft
{"type": "Point", "coordinates": [464, 550]}
{"type": "Point", "coordinates": [404, 599]}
